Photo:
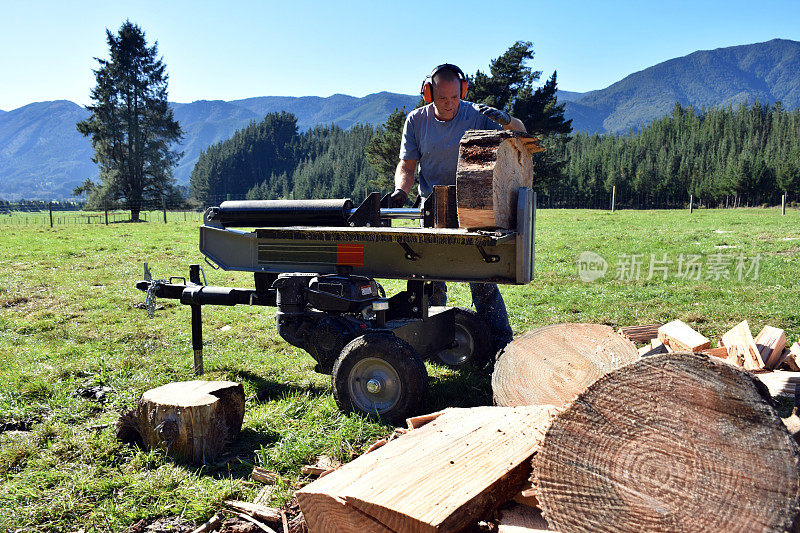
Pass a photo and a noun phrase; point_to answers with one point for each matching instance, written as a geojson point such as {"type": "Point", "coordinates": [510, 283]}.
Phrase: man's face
{"type": "Point", "coordinates": [446, 96]}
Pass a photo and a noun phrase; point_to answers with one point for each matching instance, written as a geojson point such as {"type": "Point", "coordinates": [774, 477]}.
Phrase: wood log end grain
{"type": "Point", "coordinates": [678, 442]}
{"type": "Point", "coordinates": [553, 364]}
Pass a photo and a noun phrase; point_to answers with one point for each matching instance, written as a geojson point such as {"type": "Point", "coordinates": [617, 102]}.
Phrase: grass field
{"type": "Point", "coordinates": [68, 320]}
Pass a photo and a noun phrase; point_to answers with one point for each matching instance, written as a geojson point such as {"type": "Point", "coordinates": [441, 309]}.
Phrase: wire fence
{"type": "Point", "coordinates": [25, 216]}
{"type": "Point", "coordinates": [73, 213]}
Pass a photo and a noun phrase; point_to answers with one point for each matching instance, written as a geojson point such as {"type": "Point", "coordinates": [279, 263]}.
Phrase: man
{"type": "Point", "coordinates": [431, 136]}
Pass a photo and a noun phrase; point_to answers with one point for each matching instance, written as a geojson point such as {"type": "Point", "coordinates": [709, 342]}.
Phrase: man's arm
{"type": "Point", "coordinates": [515, 125]}
{"type": "Point", "coordinates": [403, 181]}
{"type": "Point", "coordinates": [404, 174]}
{"type": "Point", "coordinates": [502, 117]}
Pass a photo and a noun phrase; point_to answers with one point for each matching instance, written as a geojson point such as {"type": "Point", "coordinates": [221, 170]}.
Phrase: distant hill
{"type": "Point", "coordinates": [42, 155]}
{"type": "Point", "coordinates": [568, 96]}
{"type": "Point", "coordinates": [764, 72]}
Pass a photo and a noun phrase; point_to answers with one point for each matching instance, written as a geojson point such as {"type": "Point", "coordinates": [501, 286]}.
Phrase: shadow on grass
{"type": "Point", "coordinates": [460, 389]}
{"type": "Point", "coordinates": [269, 390]}
{"type": "Point", "coordinates": [241, 454]}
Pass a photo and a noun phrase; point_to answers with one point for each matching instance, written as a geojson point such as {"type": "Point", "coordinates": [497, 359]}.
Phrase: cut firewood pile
{"type": "Point", "coordinates": [587, 435]}
{"type": "Point", "coordinates": [768, 355]}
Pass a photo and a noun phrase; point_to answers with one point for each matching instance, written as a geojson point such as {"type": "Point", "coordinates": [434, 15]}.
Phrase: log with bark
{"type": "Point", "coordinates": [643, 333]}
{"type": "Point", "coordinates": [443, 476]}
{"type": "Point", "coordinates": [674, 442]}
{"type": "Point", "coordinates": [553, 364]}
{"type": "Point", "coordinates": [190, 420]}
{"type": "Point", "coordinates": [492, 166]}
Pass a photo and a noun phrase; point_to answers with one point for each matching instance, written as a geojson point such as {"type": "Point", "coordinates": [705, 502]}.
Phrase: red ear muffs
{"type": "Point", "coordinates": [427, 87]}
{"type": "Point", "coordinates": [427, 91]}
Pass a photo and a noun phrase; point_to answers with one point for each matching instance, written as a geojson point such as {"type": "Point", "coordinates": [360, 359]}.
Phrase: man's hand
{"type": "Point", "coordinates": [498, 115]}
{"type": "Point", "coordinates": [398, 198]}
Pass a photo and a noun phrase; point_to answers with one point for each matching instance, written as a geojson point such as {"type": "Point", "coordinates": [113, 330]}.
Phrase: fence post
{"type": "Point", "coordinates": [783, 204]}
{"type": "Point", "coordinates": [613, 197]}
{"type": "Point", "coordinates": [691, 203]}
{"type": "Point", "coordinates": [50, 205]}
{"type": "Point", "coordinates": [164, 208]}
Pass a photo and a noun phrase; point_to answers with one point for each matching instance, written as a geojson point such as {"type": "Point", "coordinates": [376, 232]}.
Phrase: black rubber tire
{"type": "Point", "coordinates": [474, 342]}
{"type": "Point", "coordinates": [389, 363]}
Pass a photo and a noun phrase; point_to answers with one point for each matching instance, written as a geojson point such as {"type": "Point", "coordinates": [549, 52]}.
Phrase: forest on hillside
{"type": "Point", "coordinates": [270, 160]}
{"type": "Point", "coordinates": [749, 155]}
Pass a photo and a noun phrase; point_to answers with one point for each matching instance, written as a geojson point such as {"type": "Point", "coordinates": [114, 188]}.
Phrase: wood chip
{"type": "Point", "coordinates": [255, 522]}
{"type": "Point", "coordinates": [259, 511]}
{"type": "Point", "coordinates": [376, 445]}
{"type": "Point", "coordinates": [678, 336]}
{"type": "Point", "coordinates": [263, 475]}
{"type": "Point", "coordinates": [419, 421]}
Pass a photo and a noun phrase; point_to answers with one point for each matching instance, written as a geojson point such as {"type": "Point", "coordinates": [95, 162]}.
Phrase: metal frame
{"type": "Point", "coordinates": [504, 256]}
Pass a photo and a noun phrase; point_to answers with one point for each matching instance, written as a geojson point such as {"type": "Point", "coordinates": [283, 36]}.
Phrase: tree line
{"type": "Point", "coordinates": [718, 155]}
{"type": "Point", "coordinates": [271, 159]}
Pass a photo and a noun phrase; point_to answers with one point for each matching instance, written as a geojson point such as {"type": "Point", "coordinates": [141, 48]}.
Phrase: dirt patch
{"type": "Point", "coordinates": [13, 301]}
{"type": "Point", "coordinates": [15, 425]}
{"type": "Point", "coordinates": [170, 524]}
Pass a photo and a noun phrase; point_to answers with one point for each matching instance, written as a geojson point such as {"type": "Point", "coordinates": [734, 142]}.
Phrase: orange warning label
{"type": "Point", "coordinates": [350, 254]}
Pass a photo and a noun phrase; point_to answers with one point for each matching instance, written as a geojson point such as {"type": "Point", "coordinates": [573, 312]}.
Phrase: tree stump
{"type": "Point", "coordinates": [492, 166]}
{"type": "Point", "coordinates": [190, 420]}
{"type": "Point", "coordinates": [553, 364]}
{"type": "Point", "coordinates": [673, 442]}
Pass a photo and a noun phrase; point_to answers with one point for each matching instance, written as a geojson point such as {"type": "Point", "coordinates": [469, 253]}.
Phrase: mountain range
{"type": "Point", "coordinates": [42, 155]}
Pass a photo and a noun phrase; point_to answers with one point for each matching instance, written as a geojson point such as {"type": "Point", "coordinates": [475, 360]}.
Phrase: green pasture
{"type": "Point", "coordinates": [69, 319]}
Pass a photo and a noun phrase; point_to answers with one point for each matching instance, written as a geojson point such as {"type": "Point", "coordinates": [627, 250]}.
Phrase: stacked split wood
{"type": "Point", "coordinates": [492, 166]}
{"type": "Point", "coordinates": [443, 476]}
{"type": "Point", "coordinates": [766, 354]}
{"type": "Point", "coordinates": [678, 336]}
{"type": "Point", "coordinates": [553, 364]}
{"type": "Point", "coordinates": [672, 442]}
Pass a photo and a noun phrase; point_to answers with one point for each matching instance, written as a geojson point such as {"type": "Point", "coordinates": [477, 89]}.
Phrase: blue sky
{"type": "Point", "coordinates": [240, 49]}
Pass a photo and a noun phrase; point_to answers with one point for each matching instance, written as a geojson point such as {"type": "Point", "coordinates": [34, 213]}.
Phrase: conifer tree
{"type": "Point", "coordinates": [382, 151]}
{"type": "Point", "coordinates": [131, 125]}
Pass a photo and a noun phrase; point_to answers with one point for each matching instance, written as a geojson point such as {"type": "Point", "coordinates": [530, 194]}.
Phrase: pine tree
{"type": "Point", "coordinates": [511, 86]}
{"type": "Point", "coordinates": [132, 126]}
{"type": "Point", "coordinates": [383, 150]}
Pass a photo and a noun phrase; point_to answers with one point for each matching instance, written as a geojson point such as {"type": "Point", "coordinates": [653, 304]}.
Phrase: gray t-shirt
{"type": "Point", "coordinates": [435, 143]}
